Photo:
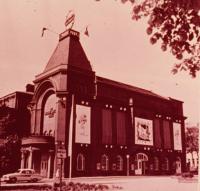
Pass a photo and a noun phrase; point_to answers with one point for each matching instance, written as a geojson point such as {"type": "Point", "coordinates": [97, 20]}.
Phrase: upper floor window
{"type": "Point", "coordinates": [121, 128]}
{"type": "Point", "coordinates": [106, 126]}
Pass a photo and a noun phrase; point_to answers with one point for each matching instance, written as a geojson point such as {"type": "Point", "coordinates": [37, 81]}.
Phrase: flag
{"type": "Point", "coordinates": [70, 18]}
{"type": "Point", "coordinates": [86, 32]}
{"type": "Point", "coordinates": [43, 29]}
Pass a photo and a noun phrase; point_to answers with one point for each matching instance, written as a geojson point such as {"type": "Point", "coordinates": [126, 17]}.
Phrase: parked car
{"type": "Point", "coordinates": [28, 175]}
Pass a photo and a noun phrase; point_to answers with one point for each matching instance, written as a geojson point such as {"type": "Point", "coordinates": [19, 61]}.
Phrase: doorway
{"type": "Point", "coordinates": [178, 165]}
{"type": "Point", "coordinates": [141, 164]}
{"type": "Point", "coordinates": [44, 165]}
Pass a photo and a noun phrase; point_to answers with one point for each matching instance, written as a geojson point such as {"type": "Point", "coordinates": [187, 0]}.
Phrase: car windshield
{"type": "Point", "coordinates": [19, 170]}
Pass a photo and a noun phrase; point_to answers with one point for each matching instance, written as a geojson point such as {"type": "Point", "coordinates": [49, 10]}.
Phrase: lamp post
{"type": "Point", "coordinates": [127, 169]}
{"type": "Point", "coordinates": [61, 154]}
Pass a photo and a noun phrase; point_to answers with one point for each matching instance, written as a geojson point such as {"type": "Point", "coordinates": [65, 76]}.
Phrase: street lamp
{"type": "Point", "coordinates": [61, 154]}
{"type": "Point", "coordinates": [127, 169]}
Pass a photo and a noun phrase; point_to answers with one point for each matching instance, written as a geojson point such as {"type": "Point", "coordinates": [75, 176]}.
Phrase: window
{"type": "Point", "coordinates": [50, 133]}
{"type": "Point", "coordinates": [121, 128]}
{"type": "Point", "coordinates": [119, 165]}
{"type": "Point", "coordinates": [166, 164]}
{"type": "Point", "coordinates": [141, 156]}
{"type": "Point", "coordinates": [158, 139]}
{"type": "Point", "coordinates": [106, 126]}
{"type": "Point", "coordinates": [104, 163]}
{"type": "Point", "coordinates": [156, 163]}
{"type": "Point", "coordinates": [167, 134]}
{"type": "Point", "coordinates": [80, 162]}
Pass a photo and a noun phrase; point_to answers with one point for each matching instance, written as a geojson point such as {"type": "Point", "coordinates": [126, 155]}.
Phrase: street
{"type": "Point", "coordinates": [140, 183]}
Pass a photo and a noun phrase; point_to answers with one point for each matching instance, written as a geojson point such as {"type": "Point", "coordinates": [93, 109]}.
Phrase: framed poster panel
{"type": "Point", "coordinates": [143, 131]}
{"type": "Point", "coordinates": [177, 136]}
{"type": "Point", "coordinates": [83, 123]}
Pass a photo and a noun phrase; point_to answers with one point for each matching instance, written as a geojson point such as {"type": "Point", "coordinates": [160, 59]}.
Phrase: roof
{"type": "Point", "coordinates": [129, 87]}
{"type": "Point", "coordinates": [68, 52]}
{"type": "Point", "coordinates": [14, 93]}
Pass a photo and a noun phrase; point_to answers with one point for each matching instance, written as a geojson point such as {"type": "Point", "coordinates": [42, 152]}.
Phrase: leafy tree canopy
{"type": "Point", "coordinates": [191, 138]}
{"type": "Point", "coordinates": [176, 24]}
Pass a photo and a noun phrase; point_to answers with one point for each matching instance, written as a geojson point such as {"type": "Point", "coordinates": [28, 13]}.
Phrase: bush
{"type": "Point", "coordinates": [71, 186]}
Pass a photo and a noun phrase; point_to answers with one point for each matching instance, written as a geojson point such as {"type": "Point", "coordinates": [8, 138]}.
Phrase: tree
{"type": "Point", "coordinates": [191, 140]}
{"type": "Point", "coordinates": [10, 154]}
{"type": "Point", "coordinates": [10, 146]}
{"type": "Point", "coordinates": [176, 24]}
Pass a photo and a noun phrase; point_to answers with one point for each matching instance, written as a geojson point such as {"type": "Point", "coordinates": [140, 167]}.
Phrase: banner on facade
{"type": "Point", "coordinates": [83, 118]}
{"type": "Point", "coordinates": [177, 136]}
{"type": "Point", "coordinates": [143, 131]}
{"type": "Point", "coordinates": [49, 118]}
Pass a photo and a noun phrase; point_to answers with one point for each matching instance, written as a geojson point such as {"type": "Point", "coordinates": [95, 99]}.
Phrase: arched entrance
{"type": "Point", "coordinates": [141, 160]}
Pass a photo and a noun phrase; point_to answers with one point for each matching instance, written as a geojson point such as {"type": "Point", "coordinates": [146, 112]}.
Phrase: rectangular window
{"type": "Point", "coordinates": [106, 126]}
{"type": "Point", "coordinates": [157, 133]}
{"type": "Point", "coordinates": [167, 135]}
{"type": "Point", "coordinates": [121, 128]}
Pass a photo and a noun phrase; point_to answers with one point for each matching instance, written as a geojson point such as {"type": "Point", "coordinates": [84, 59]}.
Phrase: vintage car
{"type": "Point", "coordinates": [28, 175]}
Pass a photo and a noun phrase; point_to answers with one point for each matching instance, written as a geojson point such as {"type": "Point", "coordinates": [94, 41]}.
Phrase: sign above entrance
{"type": "Point", "coordinates": [61, 153]}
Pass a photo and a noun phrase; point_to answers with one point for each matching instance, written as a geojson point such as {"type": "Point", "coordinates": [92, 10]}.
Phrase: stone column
{"type": "Point", "coordinates": [49, 164]}
{"type": "Point", "coordinates": [30, 161]}
{"type": "Point", "coordinates": [22, 159]}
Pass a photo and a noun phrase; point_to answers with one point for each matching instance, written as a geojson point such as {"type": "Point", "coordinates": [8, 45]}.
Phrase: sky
{"type": "Point", "coordinates": [118, 47]}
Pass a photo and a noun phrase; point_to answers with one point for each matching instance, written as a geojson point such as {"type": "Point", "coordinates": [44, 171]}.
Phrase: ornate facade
{"type": "Point", "coordinates": [106, 127]}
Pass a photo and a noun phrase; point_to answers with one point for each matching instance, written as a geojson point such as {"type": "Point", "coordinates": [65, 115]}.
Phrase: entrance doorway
{"type": "Point", "coordinates": [44, 165]}
{"type": "Point", "coordinates": [141, 163]}
{"type": "Point", "coordinates": [178, 165]}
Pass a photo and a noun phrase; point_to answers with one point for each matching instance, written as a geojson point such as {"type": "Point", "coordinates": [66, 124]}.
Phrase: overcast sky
{"type": "Point", "coordinates": [117, 47]}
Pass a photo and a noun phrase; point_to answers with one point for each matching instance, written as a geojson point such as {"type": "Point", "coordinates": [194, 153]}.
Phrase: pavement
{"type": "Point", "coordinates": [131, 183]}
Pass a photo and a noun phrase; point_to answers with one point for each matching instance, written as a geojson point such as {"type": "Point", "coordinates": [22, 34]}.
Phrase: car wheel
{"type": "Point", "coordinates": [13, 180]}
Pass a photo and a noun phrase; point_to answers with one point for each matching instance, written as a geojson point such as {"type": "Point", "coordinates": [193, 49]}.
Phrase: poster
{"type": "Point", "coordinates": [49, 118]}
{"type": "Point", "coordinates": [143, 131]}
{"type": "Point", "coordinates": [82, 133]}
{"type": "Point", "coordinates": [177, 136]}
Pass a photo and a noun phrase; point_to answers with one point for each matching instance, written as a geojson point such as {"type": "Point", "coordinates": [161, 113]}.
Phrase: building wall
{"type": "Point", "coordinates": [103, 116]}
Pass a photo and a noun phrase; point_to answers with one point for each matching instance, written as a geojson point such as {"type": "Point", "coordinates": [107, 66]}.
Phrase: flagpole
{"type": "Point", "coordinates": [71, 138]}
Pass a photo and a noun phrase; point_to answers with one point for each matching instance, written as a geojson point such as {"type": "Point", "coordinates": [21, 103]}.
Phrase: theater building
{"type": "Point", "coordinates": [106, 127]}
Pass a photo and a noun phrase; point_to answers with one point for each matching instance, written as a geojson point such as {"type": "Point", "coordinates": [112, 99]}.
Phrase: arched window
{"type": "Point", "coordinates": [156, 163]}
{"type": "Point", "coordinates": [119, 163]}
{"type": "Point", "coordinates": [80, 163]}
{"type": "Point", "coordinates": [166, 162]}
{"type": "Point", "coordinates": [141, 156]}
{"type": "Point", "coordinates": [104, 163]}
{"type": "Point", "coordinates": [50, 133]}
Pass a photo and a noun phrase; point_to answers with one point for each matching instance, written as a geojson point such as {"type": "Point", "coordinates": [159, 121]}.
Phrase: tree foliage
{"type": "Point", "coordinates": [191, 139]}
{"type": "Point", "coordinates": [10, 154]}
{"type": "Point", "coordinates": [175, 24]}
